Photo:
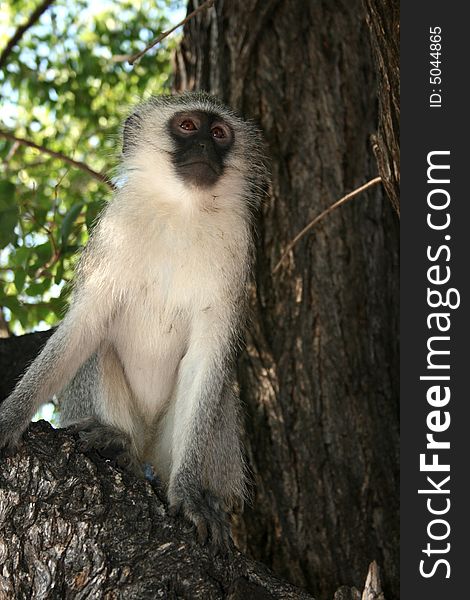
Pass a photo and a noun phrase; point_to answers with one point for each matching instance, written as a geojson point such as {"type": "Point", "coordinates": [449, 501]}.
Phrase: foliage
{"type": "Point", "coordinates": [61, 89]}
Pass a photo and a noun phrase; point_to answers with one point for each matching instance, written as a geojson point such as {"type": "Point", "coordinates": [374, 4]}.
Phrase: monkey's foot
{"type": "Point", "coordinates": [206, 512]}
{"type": "Point", "coordinates": [109, 442]}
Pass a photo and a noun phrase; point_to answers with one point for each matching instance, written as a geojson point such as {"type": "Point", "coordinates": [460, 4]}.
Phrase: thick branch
{"type": "Point", "coordinates": [72, 521]}
{"type": "Point", "coordinates": [16, 353]}
{"type": "Point", "coordinates": [75, 163]}
{"type": "Point", "coordinates": [100, 532]}
{"type": "Point", "coordinates": [35, 16]}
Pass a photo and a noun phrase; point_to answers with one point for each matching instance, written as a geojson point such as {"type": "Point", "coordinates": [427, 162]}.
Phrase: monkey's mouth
{"type": "Point", "coordinates": [201, 163]}
{"type": "Point", "coordinates": [200, 172]}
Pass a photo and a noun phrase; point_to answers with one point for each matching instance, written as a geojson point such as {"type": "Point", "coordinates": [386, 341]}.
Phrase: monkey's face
{"type": "Point", "coordinates": [189, 150]}
{"type": "Point", "coordinates": [203, 141]}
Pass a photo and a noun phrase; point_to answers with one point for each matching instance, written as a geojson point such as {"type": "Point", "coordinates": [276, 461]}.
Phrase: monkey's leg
{"type": "Point", "coordinates": [98, 404]}
{"type": "Point", "coordinates": [208, 484]}
{"type": "Point", "coordinates": [76, 338]}
{"type": "Point", "coordinates": [207, 476]}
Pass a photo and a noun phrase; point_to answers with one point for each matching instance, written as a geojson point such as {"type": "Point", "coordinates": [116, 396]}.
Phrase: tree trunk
{"type": "Point", "coordinates": [319, 378]}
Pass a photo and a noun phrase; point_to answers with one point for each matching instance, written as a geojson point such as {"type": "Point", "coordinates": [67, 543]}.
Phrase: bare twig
{"type": "Point", "coordinates": [339, 202]}
{"type": "Point", "coordinates": [133, 58]}
{"type": "Point", "coordinates": [35, 16]}
{"type": "Point", "coordinates": [75, 163]}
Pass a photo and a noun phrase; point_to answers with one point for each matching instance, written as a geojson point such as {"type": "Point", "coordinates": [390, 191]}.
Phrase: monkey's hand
{"type": "Point", "coordinates": [109, 442]}
{"type": "Point", "coordinates": [15, 416]}
{"type": "Point", "coordinates": [204, 510]}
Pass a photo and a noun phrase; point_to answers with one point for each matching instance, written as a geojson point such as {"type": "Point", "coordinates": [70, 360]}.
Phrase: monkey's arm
{"type": "Point", "coordinates": [207, 479]}
{"type": "Point", "coordinates": [76, 338]}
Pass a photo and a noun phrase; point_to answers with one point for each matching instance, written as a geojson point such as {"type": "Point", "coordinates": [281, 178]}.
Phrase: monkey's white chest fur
{"type": "Point", "coordinates": [150, 341]}
{"type": "Point", "coordinates": [174, 304]}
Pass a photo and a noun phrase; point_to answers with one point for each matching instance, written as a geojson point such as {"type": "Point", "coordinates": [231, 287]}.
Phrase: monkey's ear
{"type": "Point", "coordinates": [130, 132]}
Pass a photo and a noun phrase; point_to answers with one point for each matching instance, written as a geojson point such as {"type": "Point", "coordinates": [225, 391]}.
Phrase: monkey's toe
{"type": "Point", "coordinates": [205, 511]}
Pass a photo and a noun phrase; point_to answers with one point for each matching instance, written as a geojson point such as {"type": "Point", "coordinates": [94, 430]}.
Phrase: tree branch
{"type": "Point", "coordinates": [120, 544]}
{"type": "Point", "coordinates": [131, 59]}
{"type": "Point", "coordinates": [307, 228]}
{"type": "Point", "coordinates": [75, 163]}
{"type": "Point", "coordinates": [35, 16]}
{"type": "Point", "coordinates": [160, 557]}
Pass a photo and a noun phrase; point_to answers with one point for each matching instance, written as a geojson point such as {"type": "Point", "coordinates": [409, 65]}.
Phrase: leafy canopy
{"type": "Point", "coordinates": [61, 88]}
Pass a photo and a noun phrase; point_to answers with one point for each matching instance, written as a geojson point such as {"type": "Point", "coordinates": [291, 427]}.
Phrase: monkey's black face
{"type": "Point", "coordinates": [203, 141]}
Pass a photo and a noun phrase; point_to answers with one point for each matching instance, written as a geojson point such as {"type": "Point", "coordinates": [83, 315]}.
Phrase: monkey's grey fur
{"type": "Point", "coordinates": [141, 362]}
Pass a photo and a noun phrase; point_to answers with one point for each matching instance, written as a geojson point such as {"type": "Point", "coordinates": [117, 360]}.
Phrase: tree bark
{"type": "Point", "coordinates": [72, 526]}
{"type": "Point", "coordinates": [383, 19]}
{"type": "Point", "coordinates": [319, 378]}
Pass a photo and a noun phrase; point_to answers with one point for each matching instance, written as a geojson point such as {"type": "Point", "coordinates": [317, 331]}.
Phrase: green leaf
{"type": "Point", "coordinates": [37, 289]}
{"type": "Point", "coordinates": [43, 251]}
{"type": "Point", "coordinates": [20, 278]}
{"type": "Point", "coordinates": [19, 257]}
{"type": "Point", "coordinates": [59, 273]}
{"type": "Point", "coordinates": [43, 311]}
{"type": "Point", "coordinates": [40, 216]}
{"type": "Point", "coordinates": [93, 209]}
{"type": "Point", "coordinates": [68, 222]}
{"type": "Point", "coordinates": [7, 194]}
{"type": "Point", "coordinates": [9, 213]}
{"type": "Point", "coordinates": [13, 304]}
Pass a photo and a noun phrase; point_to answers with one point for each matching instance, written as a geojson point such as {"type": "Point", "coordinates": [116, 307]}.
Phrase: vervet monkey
{"type": "Point", "coordinates": [142, 361]}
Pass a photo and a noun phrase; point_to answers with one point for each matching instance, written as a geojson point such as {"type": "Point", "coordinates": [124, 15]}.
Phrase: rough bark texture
{"type": "Point", "coordinates": [72, 526]}
{"type": "Point", "coordinates": [383, 19]}
{"type": "Point", "coordinates": [319, 379]}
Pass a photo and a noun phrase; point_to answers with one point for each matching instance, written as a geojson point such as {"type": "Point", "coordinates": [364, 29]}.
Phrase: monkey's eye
{"type": "Point", "coordinates": [188, 125]}
{"type": "Point", "coordinates": [219, 132]}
